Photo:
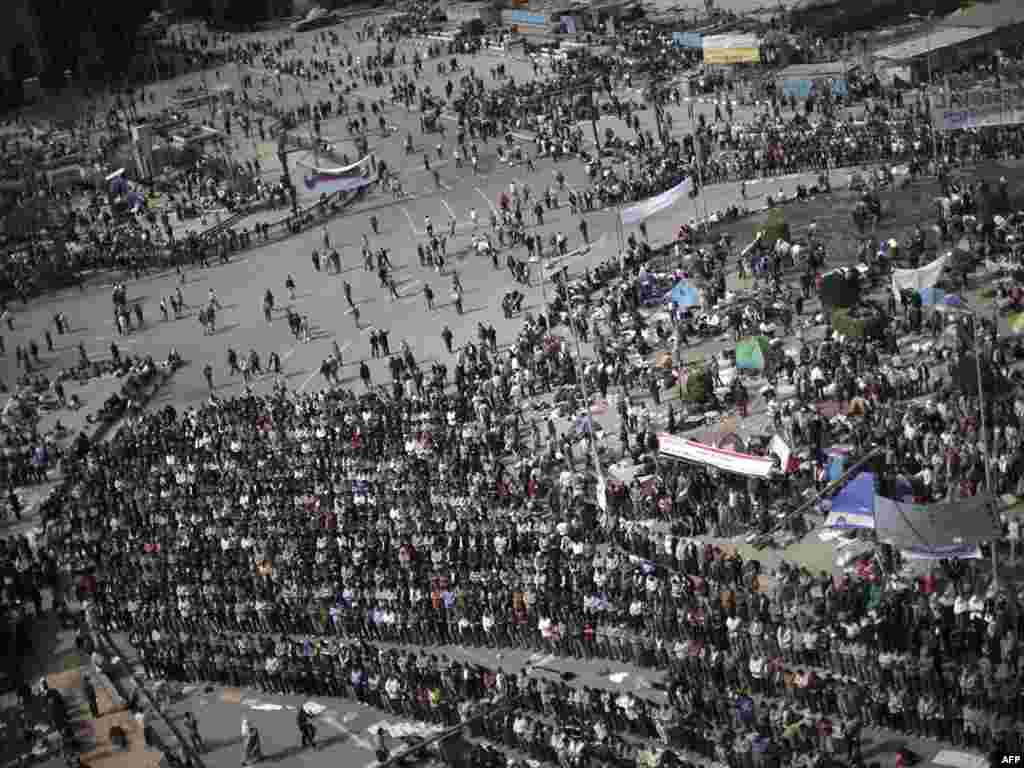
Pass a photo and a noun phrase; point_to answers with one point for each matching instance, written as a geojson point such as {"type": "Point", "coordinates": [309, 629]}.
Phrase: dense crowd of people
{"type": "Point", "coordinates": [275, 541]}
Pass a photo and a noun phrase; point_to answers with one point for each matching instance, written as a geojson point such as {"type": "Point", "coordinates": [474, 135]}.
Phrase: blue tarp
{"type": "Point", "coordinates": [932, 296]}
{"type": "Point", "coordinates": [530, 19]}
{"type": "Point", "coordinates": [649, 295]}
{"type": "Point", "coordinates": [854, 506]}
{"type": "Point", "coordinates": [684, 295]}
{"type": "Point", "coordinates": [688, 40]}
{"type": "Point", "coordinates": [801, 88]}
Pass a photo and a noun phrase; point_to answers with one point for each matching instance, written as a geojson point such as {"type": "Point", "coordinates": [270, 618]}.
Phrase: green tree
{"type": "Point", "coordinates": [698, 386]}
{"type": "Point", "coordinates": [101, 34]}
{"type": "Point", "coordinates": [776, 227]}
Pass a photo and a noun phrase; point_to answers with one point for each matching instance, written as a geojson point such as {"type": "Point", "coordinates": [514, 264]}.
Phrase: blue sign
{"type": "Point", "coordinates": [840, 87]}
{"type": "Point", "coordinates": [687, 40]}
{"type": "Point", "coordinates": [525, 17]}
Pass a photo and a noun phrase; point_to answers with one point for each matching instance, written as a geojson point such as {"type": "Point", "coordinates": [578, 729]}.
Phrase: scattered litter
{"type": "Point", "coordinates": [618, 677]}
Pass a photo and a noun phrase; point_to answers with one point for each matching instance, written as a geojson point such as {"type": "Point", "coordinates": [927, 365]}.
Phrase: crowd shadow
{"type": "Point", "coordinates": [214, 745]}
{"type": "Point", "coordinates": [297, 749]}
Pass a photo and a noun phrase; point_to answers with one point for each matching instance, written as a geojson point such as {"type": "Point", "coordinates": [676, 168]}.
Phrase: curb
{"type": "Point", "coordinates": [163, 729]}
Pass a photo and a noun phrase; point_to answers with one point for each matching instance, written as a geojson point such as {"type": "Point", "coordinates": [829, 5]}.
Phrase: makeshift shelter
{"type": "Point", "coordinates": [683, 294]}
{"type": "Point", "coordinates": [916, 279]}
{"type": "Point", "coordinates": [840, 289]}
{"type": "Point", "coordinates": [937, 528]}
{"type": "Point", "coordinates": [854, 505]}
{"type": "Point", "coordinates": [965, 376]}
{"type": "Point", "coordinates": [753, 354]}
{"type": "Point", "coordinates": [931, 296]}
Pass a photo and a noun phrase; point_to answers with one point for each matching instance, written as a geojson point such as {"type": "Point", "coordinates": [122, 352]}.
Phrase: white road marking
{"type": "Point", "coordinates": [449, 209]}
{"type": "Point", "coordinates": [355, 738]}
{"type": "Point", "coordinates": [412, 226]}
{"type": "Point", "coordinates": [487, 200]}
{"type": "Point", "coordinates": [309, 378]}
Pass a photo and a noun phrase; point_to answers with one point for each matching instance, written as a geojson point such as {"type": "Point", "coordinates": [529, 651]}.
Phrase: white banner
{"type": "Point", "coordinates": [916, 279]}
{"type": "Point", "coordinates": [355, 169]}
{"type": "Point", "coordinates": [652, 205]}
{"type": "Point", "coordinates": [720, 458]}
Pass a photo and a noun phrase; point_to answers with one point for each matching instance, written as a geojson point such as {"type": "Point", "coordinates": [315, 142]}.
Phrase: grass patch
{"type": "Point", "coordinates": [71, 661]}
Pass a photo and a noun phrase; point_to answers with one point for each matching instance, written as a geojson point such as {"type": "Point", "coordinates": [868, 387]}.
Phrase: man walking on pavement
{"type": "Point", "coordinates": [307, 731]}
{"type": "Point", "coordinates": [448, 337]}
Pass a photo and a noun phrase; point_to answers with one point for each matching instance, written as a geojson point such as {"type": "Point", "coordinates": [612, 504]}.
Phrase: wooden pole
{"type": "Point", "coordinates": [831, 486]}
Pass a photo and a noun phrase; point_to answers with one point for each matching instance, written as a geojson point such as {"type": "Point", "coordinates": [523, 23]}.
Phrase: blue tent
{"type": "Point", "coordinates": [854, 506]}
{"type": "Point", "coordinates": [684, 295]}
{"type": "Point", "coordinates": [952, 300]}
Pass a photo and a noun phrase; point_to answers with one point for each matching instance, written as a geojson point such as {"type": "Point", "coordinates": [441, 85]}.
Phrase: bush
{"type": "Point", "coordinates": [866, 327]}
{"type": "Point", "coordinates": [776, 228]}
{"type": "Point", "coordinates": [698, 386]}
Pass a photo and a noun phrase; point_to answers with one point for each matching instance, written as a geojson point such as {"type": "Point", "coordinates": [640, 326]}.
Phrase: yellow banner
{"type": "Point", "coordinates": [732, 55]}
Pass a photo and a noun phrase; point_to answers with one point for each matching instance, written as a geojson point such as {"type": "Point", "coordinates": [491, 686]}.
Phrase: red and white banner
{"type": "Point", "coordinates": [720, 458]}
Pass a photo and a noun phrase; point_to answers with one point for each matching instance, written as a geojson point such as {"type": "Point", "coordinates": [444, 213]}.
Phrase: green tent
{"type": "Point", "coordinates": [752, 353]}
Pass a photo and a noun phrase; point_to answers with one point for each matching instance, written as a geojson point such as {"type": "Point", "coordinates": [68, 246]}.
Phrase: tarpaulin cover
{"type": "Point", "coordinates": [916, 279]}
{"type": "Point", "coordinates": [936, 527]}
{"type": "Point", "coordinates": [684, 295]}
{"type": "Point", "coordinates": [836, 466]}
{"type": "Point", "coordinates": [688, 40]}
{"type": "Point", "coordinates": [752, 353]}
{"type": "Point", "coordinates": [840, 288]}
{"type": "Point", "coordinates": [931, 296]}
{"type": "Point", "coordinates": [854, 505]}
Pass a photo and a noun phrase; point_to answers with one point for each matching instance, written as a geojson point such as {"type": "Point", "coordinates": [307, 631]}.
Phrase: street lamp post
{"type": "Point", "coordinates": [928, 88]}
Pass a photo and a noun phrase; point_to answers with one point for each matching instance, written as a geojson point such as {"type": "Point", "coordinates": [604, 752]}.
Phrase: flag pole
{"type": "Point", "coordinates": [984, 438]}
